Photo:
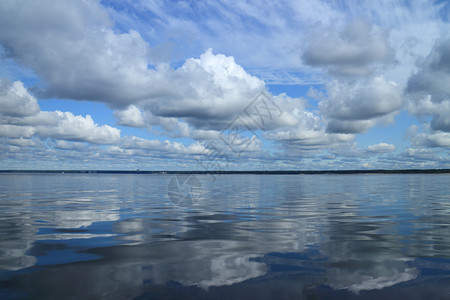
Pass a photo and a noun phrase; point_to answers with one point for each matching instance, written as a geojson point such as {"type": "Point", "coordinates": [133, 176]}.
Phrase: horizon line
{"type": "Point", "coordinates": [218, 172]}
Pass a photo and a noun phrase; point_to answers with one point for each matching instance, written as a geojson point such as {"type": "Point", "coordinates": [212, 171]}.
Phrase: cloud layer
{"type": "Point", "coordinates": [174, 89]}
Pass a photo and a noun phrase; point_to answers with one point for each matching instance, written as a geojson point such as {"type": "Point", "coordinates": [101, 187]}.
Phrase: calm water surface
{"type": "Point", "coordinates": [93, 236]}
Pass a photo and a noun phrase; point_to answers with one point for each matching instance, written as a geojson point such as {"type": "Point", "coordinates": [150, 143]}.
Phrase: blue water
{"type": "Point", "coordinates": [94, 236]}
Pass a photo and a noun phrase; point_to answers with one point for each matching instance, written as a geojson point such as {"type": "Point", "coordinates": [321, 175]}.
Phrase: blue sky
{"type": "Point", "coordinates": [237, 85]}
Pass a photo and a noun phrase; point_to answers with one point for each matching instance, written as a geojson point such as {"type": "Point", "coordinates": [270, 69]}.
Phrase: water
{"type": "Point", "coordinates": [93, 236]}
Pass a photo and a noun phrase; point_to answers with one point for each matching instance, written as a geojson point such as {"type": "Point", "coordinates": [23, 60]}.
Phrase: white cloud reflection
{"type": "Point", "coordinates": [318, 229]}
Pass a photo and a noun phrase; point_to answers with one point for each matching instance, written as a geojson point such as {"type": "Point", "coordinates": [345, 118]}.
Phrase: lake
{"type": "Point", "coordinates": [134, 236]}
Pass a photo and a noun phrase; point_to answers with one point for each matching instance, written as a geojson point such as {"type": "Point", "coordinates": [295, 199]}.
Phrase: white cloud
{"type": "Point", "coordinates": [20, 117]}
{"type": "Point", "coordinates": [438, 139]}
{"type": "Point", "coordinates": [439, 111]}
{"type": "Point", "coordinates": [381, 148]}
{"type": "Point", "coordinates": [71, 46]}
{"type": "Point", "coordinates": [428, 92]}
{"type": "Point", "coordinates": [428, 137]}
{"type": "Point", "coordinates": [273, 32]}
{"type": "Point", "coordinates": [354, 107]}
{"type": "Point", "coordinates": [157, 74]}
{"type": "Point", "coordinates": [89, 61]}
{"type": "Point", "coordinates": [205, 91]}
{"type": "Point", "coordinates": [149, 147]}
{"type": "Point", "coordinates": [351, 51]}
{"type": "Point", "coordinates": [429, 89]}
{"type": "Point", "coordinates": [433, 76]}
{"type": "Point", "coordinates": [68, 145]}
{"type": "Point", "coordinates": [416, 157]}
{"type": "Point", "coordinates": [420, 154]}
{"type": "Point", "coordinates": [15, 100]}
{"type": "Point", "coordinates": [131, 116]}
{"type": "Point", "coordinates": [67, 126]}
{"type": "Point", "coordinates": [23, 142]}
{"type": "Point", "coordinates": [13, 131]}
{"type": "Point", "coordinates": [349, 127]}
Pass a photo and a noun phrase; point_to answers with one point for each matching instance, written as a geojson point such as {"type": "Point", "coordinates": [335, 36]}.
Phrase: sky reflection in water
{"type": "Point", "coordinates": [325, 236]}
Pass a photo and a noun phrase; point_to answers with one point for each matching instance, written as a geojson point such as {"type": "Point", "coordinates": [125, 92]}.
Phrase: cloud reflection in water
{"type": "Point", "coordinates": [353, 233]}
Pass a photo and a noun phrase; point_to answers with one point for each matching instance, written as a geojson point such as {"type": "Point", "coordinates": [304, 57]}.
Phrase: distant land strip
{"type": "Point", "coordinates": [275, 172]}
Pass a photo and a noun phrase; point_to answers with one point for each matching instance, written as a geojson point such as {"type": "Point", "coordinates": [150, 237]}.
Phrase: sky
{"type": "Point", "coordinates": [224, 85]}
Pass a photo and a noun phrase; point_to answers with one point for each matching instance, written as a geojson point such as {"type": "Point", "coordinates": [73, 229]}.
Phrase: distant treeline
{"type": "Point", "coordinates": [276, 172]}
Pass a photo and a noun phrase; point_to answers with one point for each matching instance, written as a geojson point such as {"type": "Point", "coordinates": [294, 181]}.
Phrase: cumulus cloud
{"type": "Point", "coordinates": [353, 107]}
{"type": "Point", "coordinates": [90, 50]}
{"type": "Point", "coordinates": [439, 111]}
{"type": "Point", "coordinates": [437, 139]}
{"type": "Point", "coordinates": [429, 90]}
{"type": "Point", "coordinates": [75, 51]}
{"type": "Point", "coordinates": [420, 154]}
{"type": "Point", "coordinates": [381, 148]}
{"type": "Point", "coordinates": [67, 126]}
{"type": "Point", "coordinates": [15, 100]}
{"type": "Point", "coordinates": [23, 142]}
{"type": "Point", "coordinates": [206, 92]}
{"type": "Point", "coordinates": [196, 100]}
{"type": "Point", "coordinates": [131, 116]}
{"type": "Point", "coordinates": [151, 146]}
{"type": "Point", "coordinates": [307, 136]}
{"type": "Point", "coordinates": [13, 131]}
{"type": "Point", "coordinates": [63, 125]}
{"type": "Point", "coordinates": [351, 51]}
{"type": "Point", "coordinates": [68, 145]}
{"type": "Point", "coordinates": [77, 135]}
{"type": "Point", "coordinates": [21, 117]}
{"type": "Point", "coordinates": [433, 76]}
{"type": "Point", "coordinates": [417, 156]}
{"type": "Point", "coordinates": [428, 137]}
{"type": "Point", "coordinates": [285, 120]}
{"type": "Point", "coordinates": [234, 22]}
{"type": "Point", "coordinates": [90, 61]}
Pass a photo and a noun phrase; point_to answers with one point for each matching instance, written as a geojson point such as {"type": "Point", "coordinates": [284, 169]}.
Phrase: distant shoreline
{"type": "Point", "coordinates": [268, 172]}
